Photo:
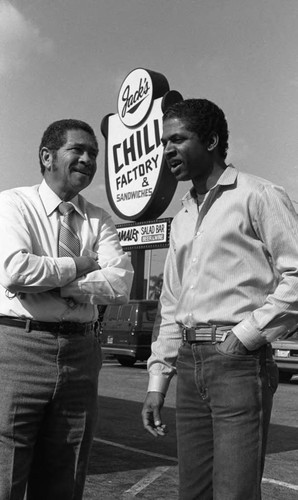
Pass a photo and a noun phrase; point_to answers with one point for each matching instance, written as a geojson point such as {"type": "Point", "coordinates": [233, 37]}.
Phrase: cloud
{"type": "Point", "coordinates": [19, 40]}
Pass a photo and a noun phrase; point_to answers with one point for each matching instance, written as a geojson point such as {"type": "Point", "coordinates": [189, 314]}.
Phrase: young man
{"type": "Point", "coordinates": [230, 288]}
{"type": "Point", "coordinates": [60, 257]}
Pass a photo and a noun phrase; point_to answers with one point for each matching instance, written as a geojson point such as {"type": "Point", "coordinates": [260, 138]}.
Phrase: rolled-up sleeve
{"type": "Point", "coordinates": [166, 338]}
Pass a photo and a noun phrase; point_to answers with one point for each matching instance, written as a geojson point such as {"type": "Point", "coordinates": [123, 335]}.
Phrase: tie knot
{"type": "Point", "coordinates": [65, 208]}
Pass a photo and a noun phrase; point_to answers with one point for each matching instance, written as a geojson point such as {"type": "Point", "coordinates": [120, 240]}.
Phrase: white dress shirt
{"type": "Point", "coordinates": [34, 282]}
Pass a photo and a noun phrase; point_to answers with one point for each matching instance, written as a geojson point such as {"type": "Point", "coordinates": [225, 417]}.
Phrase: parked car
{"type": "Point", "coordinates": [285, 353]}
{"type": "Point", "coordinates": [126, 331]}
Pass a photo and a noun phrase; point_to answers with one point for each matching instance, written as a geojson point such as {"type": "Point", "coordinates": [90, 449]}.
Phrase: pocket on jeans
{"type": "Point", "coordinates": [234, 353]}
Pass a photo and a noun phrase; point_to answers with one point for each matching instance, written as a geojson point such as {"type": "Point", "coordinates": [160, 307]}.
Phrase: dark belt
{"type": "Point", "coordinates": [207, 334]}
{"type": "Point", "coordinates": [63, 328]}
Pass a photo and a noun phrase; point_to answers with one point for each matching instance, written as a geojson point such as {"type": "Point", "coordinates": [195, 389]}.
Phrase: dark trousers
{"type": "Point", "coordinates": [224, 405]}
{"type": "Point", "coordinates": [48, 411]}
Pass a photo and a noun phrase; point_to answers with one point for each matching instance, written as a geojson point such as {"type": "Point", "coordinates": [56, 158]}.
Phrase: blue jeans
{"type": "Point", "coordinates": [224, 405]}
{"type": "Point", "coordinates": [48, 411]}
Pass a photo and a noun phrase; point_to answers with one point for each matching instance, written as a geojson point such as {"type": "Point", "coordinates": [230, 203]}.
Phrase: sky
{"type": "Point", "coordinates": [68, 59]}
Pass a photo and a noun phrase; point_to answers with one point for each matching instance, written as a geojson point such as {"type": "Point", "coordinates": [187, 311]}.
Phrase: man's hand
{"type": "Point", "coordinates": [151, 414]}
{"type": "Point", "coordinates": [85, 265]}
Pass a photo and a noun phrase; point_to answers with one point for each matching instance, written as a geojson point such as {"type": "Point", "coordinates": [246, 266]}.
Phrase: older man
{"type": "Point", "coordinates": [59, 259]}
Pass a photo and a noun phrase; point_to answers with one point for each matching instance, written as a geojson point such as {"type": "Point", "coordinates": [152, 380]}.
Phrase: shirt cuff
{"type": "Point", "coordinates": [67, 269]}
{"type": "Point", "coordinates": [158, 383]}
{"type": "Point", "coordinates": [248, 335]}
{"type": "Point", "coordinates": [253, 338]}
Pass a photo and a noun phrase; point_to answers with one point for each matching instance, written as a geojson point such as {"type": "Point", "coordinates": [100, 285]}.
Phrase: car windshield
{"type": "Point", "coordinates": [294, 336]}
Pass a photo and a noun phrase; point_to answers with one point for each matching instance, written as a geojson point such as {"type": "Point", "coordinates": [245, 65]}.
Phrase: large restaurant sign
{"type": "Point", "coordinates": [139, 185]}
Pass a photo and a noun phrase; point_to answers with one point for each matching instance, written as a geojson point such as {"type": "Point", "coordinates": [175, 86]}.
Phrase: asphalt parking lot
{"type": "Point", "coordinates": [127, 463]}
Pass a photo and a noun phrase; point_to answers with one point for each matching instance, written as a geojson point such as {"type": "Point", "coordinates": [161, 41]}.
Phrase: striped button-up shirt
{"type": "Point", "coordinates": [233, 262]}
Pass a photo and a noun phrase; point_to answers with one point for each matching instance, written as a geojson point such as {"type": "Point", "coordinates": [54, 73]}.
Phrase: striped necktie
{"type": "Point", "coordinates": [69, 243]}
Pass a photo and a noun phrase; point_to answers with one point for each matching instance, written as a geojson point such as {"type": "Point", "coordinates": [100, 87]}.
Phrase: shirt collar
{"type": "Point", "coordinates": [227, 178]}
{"type": "Point", "coordinates": [51, 200]}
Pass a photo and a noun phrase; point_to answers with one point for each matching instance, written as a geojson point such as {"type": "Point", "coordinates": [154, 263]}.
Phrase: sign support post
{"type": "Point", "coordinates": [138, 262]}
{"type": "Point", "coordinates": [148, 273]}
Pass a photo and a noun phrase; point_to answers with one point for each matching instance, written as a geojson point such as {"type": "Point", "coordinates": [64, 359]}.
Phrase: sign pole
{"type": "Point", "coordinates": [149, 273]}
{"type": "Point", "coordinates": [138, 263]}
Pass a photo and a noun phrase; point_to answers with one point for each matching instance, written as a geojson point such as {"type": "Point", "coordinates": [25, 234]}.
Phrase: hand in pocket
{"type": "Point", "coordinates": [232, 345]}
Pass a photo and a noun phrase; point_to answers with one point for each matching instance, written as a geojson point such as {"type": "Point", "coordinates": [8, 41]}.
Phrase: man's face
{"type": "Point", "coordinates": [186, 155]}
{"type": "Point", "coordinates": [73, 166]}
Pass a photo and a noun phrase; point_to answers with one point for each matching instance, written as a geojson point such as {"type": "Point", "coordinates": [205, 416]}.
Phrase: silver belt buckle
{"type": "Point", "coordinates": [224, 335]}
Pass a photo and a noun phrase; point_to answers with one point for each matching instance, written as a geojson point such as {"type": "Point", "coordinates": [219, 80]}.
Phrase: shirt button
{"type": "Point", "coordinates": [191, 286]}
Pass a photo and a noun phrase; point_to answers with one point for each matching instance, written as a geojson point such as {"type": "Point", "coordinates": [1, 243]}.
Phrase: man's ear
{"type": "Point", "coordinates": [46, 157]}
{"type": "Point", "coordinates": [212, 142]}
